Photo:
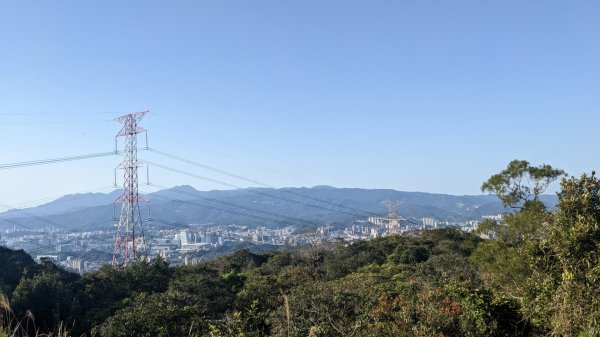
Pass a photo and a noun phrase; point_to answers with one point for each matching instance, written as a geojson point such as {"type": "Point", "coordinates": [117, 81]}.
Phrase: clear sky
{"type": "Point", "coordinates": [430, 96]}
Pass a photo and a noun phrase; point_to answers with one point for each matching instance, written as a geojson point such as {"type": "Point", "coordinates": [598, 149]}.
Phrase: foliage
{"type": "Point", "coordinates": [521, 181]}
{"type": "Point", "coordinates": [153, 315]}
{"type": "Point", "coordinates": [569, 258]}
{"type": "Point", "coordinates": [98, 295]}
{"type": "Point", "coordinates": [14, 264]}
{"type": "Point", "coordinates": [536, 277]}
{"type": "Point", "coordinates": [324, 290]}
{"type": "Point", "coordinates": [44, 296]}
{"type": "Point", "coordinates": [505, 263]}
{"type": "Point", "coordinates": [455, 309]}
{"type": "Point", "coordinates": [550, 262]}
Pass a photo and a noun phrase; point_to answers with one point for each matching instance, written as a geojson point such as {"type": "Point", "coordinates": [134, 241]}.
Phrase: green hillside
{"type": "Point", "coordinates": [537, 277]}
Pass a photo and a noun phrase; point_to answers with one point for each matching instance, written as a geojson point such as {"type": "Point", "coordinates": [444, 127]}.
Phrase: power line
{"type": "Point", "coordinates": [255, 191]}
{"type": "Point", "coordinates": [243, 207]}
{"type": "Point", "coordinates": [266, 155]}
{"type": "Point", "coordinates": [56, 160]}
{"type": "Point", "coordinates": [210, 168]}
{"type": "Point", "coordinates": [236, 206]}
{"type": "Point", "coordinates": [56, 199]}
{"type": "Point", "coordinates": [54, 122]}
{"type": "Point", "coordinates": [34, 216]}
{"type": "Point", "coordinates": [409, 221]}
{"type": "Point", "coordinates": [226, 156]}
{"type": "Point", "coordinates": [170, 224]}
{"type": "Point", "coordinates": [253, 181]}
{"type": "Point", "coordinates": [57, 113]}
{"type": "Point", "coordinates": [225, 210]}
{"type": "Point", "coordinates": [61, 159]}
{"type": "Point", "coordinates": [301, 221]}
{"type": "Point", "coordinates": [68, 231]}
{"type": "Point", "coordinates": [64, 232]}
{"type": "Point", "coordinates": [72, 231]}
{"type": "Point", "coordinates": [17, 224]}
{"type": "Point", "coordinates": [9, 220]}
{"type": "Point", "coordinates": [42, 218]}
{"type": "Point", "coordinates": [96, 155]}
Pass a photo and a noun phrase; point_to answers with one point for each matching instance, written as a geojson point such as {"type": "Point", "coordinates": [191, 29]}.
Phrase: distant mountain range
{"type": "Point", "coordinates": [256, 206]}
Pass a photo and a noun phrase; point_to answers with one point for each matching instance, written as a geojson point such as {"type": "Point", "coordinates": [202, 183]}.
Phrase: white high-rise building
{"type": "Point", "coordinates": [185, 237]}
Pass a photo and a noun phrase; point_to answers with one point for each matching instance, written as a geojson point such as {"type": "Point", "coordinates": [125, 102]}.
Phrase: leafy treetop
{"type": "Point", "coordinates": [520, 181]}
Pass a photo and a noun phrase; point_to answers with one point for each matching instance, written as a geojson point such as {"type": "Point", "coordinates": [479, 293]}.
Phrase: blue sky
{"type": "Point", "coordinates": [431, 96]}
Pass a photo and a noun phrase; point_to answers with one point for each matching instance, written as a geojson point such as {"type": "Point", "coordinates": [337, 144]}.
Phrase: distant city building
{"type": "Point", "coordinates": [75, 265]}
{"type": "Point", "coordinates": [376, 220]}
{"type": "Point", "coordinates": [497, 217]}
{"type": "Point", "coordinates": [185, 237]}
{"type": "Point", "coordinates": [429, 222]}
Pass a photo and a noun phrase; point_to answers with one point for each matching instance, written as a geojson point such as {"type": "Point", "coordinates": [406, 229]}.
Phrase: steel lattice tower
{"type": "Point", "coordinates": [129, 241]}
{"type": "Point", "coordinates": [393, 218]}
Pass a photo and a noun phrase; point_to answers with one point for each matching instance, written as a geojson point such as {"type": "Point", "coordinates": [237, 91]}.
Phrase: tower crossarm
{"type": "Point", "coordinates": [130, 123]}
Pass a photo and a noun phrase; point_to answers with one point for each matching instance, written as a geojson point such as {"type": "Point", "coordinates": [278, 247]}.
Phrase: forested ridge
{"type": "Point", "coordinates": [537, 276]}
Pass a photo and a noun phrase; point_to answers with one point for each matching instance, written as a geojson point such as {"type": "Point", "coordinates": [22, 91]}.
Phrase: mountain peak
{"type": "Point", "coordinates": [323, 187]}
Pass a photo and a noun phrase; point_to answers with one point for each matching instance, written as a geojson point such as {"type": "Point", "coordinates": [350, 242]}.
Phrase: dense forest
{"type": "Point", "coordinates": [535, 273]}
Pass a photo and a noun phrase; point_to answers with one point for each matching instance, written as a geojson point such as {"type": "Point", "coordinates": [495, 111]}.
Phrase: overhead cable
{"type": "Point", "coordinates": [262, 184]}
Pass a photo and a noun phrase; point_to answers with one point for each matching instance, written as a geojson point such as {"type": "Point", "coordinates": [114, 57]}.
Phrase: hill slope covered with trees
{"type": "Point", "coordinates": [538, 277]}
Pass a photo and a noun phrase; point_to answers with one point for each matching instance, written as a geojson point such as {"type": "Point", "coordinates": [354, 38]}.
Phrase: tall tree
{"type": "Point", "coordinates": [520, 182]}
{"type": "Point", "coordinates": [570, 257]}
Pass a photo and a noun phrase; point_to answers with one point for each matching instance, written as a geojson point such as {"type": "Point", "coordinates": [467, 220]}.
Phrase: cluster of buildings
{"type": "Point", "coordinates": [83, 252]}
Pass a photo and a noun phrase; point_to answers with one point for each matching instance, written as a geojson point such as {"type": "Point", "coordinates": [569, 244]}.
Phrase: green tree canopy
{"type": "Point", "coordinates": [520, 182]}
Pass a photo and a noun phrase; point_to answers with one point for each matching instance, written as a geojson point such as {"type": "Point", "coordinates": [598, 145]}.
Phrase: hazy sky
{"type": "Point", "coordinates": [431, 96]}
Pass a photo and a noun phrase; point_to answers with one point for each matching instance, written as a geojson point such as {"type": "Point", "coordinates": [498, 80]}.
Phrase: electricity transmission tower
{"type": "Point", "coordinates": [129, 240]}
{"type": "Point", "coordinates": [393, 218]}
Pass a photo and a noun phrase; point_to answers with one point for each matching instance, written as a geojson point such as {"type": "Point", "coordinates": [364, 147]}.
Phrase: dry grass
{"type": "Point", "coordinates": [11, 326]}
{"type": "Point", "coordinates": [4, 303]}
